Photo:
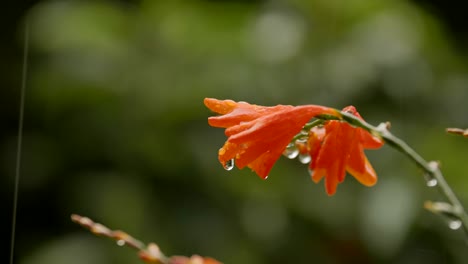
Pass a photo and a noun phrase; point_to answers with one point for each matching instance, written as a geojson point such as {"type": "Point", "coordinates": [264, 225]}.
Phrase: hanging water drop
{"type": "Point", "coordinates": [120, 242]}
{"type": "Point", "coordinates": [291, 151]}
{"type": "Point", "coordinates": [430, 181]}
{"type": "Point", "coordinates": [229, 165]}
{"type": "Point", "coordinates": [455, 224]}
{"type": "Point", "coordinates": [304, 158]}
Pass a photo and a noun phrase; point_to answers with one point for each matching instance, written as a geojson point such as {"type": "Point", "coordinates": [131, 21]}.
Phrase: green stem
{"type": "Point", "coordinates": [431, 168]}
{"type": "Point", "coordinates": [307, 127]}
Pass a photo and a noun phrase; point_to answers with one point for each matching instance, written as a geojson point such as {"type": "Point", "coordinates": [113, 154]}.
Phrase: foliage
{"type": "Point", "coordinates": [113, 130]}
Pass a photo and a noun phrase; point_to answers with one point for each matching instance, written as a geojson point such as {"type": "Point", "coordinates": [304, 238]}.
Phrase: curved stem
{"type": "Point", "coordinates": [431, 168]}
{"type": "Point", "coordinates": [149, 253]}
{"type": "Point", "coordinates": [307, 127]}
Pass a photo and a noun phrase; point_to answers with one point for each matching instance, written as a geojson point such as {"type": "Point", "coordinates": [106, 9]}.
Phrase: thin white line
{"type": "Point", "coordinates": [20, 138]}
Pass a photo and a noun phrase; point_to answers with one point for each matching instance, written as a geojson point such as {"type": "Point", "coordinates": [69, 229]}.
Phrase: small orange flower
{"type": "Point", "coordinates": [339, 147]}
{"type": "Point", "coordinates": [258, 135]}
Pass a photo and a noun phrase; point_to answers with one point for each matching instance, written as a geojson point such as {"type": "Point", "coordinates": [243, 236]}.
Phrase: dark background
{"type": "Point", "coordinates": [115, 127]}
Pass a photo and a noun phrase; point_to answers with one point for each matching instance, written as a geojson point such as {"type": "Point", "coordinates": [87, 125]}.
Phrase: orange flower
{"type": "Point", "coordinates": [339, 147]}
{"type": "Point", "coordinates": [257, 135]}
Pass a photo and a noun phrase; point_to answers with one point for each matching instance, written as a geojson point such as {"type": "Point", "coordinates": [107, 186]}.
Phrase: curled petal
{"type": "Point", "coordinates": [220, 106]}
{"type": "Point", "coordinates": [233, 113]}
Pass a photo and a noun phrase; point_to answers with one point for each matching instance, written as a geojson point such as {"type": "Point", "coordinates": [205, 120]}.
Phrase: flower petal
{"type": "Point", "coordinates": [233, 113]}
{"type": "Point", "coordinates": [220, 106]}
{"type": "Point", "coordinates": [314, 143]}
{"type": "Point", "coordinates": [360, 168]}
{"type": "Point", "coordinates": [264, 163]}
{"type": "Point", "coordinates": [368, 141]}
{"type": "Point", "coordinates": [270, 135]}
{"type": "Point", "coordinates": [341, 149]}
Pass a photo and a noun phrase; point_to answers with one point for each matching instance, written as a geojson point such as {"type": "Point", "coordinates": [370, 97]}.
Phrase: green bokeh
{"type": "Point", "coordinates": [116, 129]}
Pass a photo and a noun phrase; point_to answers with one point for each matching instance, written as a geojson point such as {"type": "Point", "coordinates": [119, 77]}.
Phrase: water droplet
{"type": "Point", "coordinates": [266, 177]}
{"type": "Point", "coordinates": [304, 158]}
{"type": "Point", "coordinates": [311, 171]}
{"type": "Point", "coordinates": [301, 140]}
{"type": "Point", "coordinates": [229, 165]}
{"type": "Point", "coordinates": [455, 224]}
{"type": "Point", "coordinates": [430, 181]}
{"type": "Point", "coordinates": [291, 151]}
{"type": "Point", "coordinates": [120, 242]}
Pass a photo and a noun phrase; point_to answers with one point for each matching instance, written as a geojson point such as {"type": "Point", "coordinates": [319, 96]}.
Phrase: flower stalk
{"type": "Point", "coordinates": [150, 253]}
{"type": "Point", "coordinates": [458, 131]}
{"type": "Point", "coordinates": [333, 143]}
{"type": "Point", "coordinates": [431, 168]}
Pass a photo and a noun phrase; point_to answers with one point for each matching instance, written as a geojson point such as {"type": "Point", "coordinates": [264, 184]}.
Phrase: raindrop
{"type": "Point", "coordinates": [291, 151]}
{"type": "Point", "coordinates": [430, 181]}
{"type": "Point", "coordinates": [266, 177]}
{"type": "Point", "coordinates": [310, 170]}
{"type": "Point", "coordinates": [455, 224]}
{"type": "Point", "coordinates": [229, 165]}
{"type": "Point", "coordinates": [304, 158]}
{"type": "Point", "coordinates": [120, 242]}
{"type": "Point", "coordinates": [301, 140]}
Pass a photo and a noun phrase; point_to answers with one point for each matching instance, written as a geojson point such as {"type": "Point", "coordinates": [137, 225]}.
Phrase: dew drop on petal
{"type": "Point", "coordinates": [229, 165]}
{"type": "Point", "coordinates": [120, 242]}
{"type": "Point", "coordinates": [291, 151]}
{"type": "Point", "coordinates": [430, 181]}
{"type": "Point", "coordinates": [455, 224]}
{"type": "Point", "coordinates": [266, 177]}
{"type": "Point", "coordinates": [304, 158]}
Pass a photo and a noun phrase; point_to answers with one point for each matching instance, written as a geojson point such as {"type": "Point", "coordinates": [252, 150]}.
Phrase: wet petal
{"type": "Point", "coordinates": [368, 141]}
{"type": "Point", "coordinates": [341, 150]}
{"type": "Point", "coordinates": [233, 113]}
{"type": "Point", "coordinates": [258, 135]}
{"type": "Point", "coordinates": [220, 106]}
{"type": "Point", "coordinates": [360, 168]}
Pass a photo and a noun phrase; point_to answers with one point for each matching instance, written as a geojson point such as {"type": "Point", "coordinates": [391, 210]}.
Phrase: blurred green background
{"type": "Point", "coordinates": [115, 127]}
